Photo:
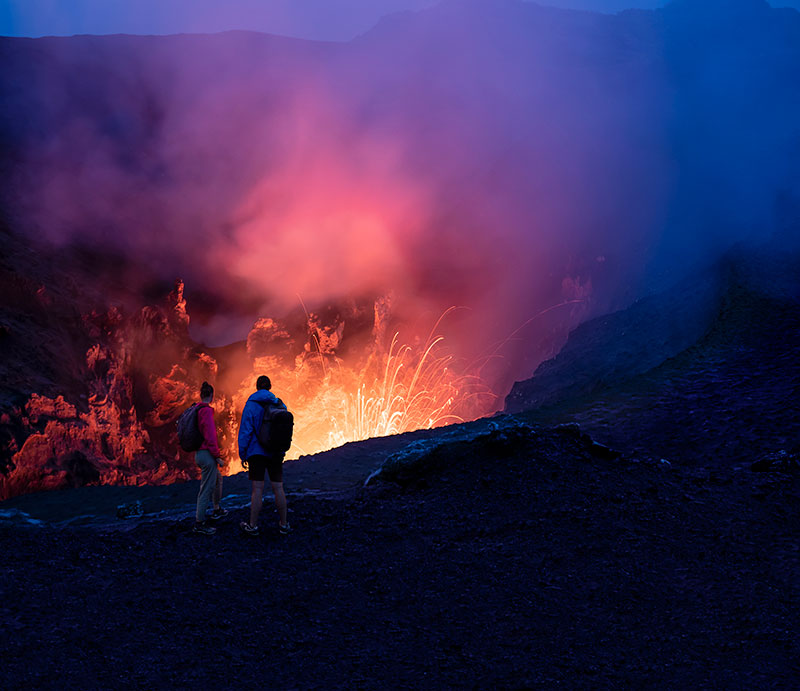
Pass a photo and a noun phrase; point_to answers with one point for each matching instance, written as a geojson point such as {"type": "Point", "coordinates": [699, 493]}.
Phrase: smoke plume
{"type": "Point", "coordinates": [531, 165]}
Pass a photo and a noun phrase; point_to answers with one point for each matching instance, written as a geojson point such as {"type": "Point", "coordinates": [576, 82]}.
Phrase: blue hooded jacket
{"type": "Point", "coordinates": [251, 419]}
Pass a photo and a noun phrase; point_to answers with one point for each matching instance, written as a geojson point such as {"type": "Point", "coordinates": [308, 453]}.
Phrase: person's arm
{"type": "Point", "coordinates": [245, 433]}
{"type": "Point", "coordinates": [205, 422]}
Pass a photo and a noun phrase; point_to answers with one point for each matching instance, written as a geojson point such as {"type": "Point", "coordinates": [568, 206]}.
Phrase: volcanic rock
{"type": "Point", "coordinates": [779, 461]}
{"type": "Point", "coordinates": [130, 510]}
{"type": "Point", "coordinates": [576, 572]}
{"type": "Point", "coordinates": [91, 397]}
{"type": "Point", "coordinates": [702, 372]}
{"type": "Point", "coordinates": [179, 317]}
{"type": "Point", "coordinates": [268, 338]}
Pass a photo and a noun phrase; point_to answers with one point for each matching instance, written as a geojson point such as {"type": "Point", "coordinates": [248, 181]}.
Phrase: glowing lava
{"type": "Point", "coordinates": [393, 389]}
{"type": "Point", "coordinates": [415, 391]}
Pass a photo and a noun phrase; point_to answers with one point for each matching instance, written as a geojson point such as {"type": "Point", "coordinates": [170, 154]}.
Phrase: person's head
{"type": "Point", "coordinates": [206, 392]}
{"type": "Point", "coordinates": [263, 382]}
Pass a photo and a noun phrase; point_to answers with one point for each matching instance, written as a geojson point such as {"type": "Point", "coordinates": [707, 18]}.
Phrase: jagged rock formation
{"type": "Point", "coordinates": [119, 428]}
{"type": "Point", "coordinates": [90, 390]}
{"type": "Point", "coordinates": [92, 382]}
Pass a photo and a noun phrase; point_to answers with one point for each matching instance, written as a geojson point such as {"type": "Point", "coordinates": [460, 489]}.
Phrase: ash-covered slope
{"type": "Point", "coordinates": [705, 373]}
{"type": "Point", "coordinates": [518, 557]}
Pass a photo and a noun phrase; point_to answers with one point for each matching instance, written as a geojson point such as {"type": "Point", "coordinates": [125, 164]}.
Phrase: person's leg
{"type": "Point", "coordinates": [207, 480]}
{"type": "Point", "coordinates": [275, 468]}
{"type": "Point", "coordinates": [255, 501]}
{"type": "Point", "coordinates": [280, 501]}
{"type": "Point", "coordinates": [217, 488]}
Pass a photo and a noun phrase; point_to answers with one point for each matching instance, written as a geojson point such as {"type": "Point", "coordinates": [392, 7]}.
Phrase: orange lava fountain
{"type": "Point", "coordinates": [400, 388]}
{"type": "Point", "coordinates": [413, 393]}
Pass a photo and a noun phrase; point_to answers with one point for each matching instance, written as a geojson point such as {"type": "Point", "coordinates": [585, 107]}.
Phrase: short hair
{"type": "Point", "coordinates": [263, 382]}
{"type": "Point", "coordinates": [206, 390]}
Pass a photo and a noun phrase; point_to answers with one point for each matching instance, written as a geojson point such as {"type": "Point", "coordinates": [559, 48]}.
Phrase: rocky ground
{"type": "Point", "coordinates": [507, 556]}
{"type": "Point", "coordinates": [703, 375]}
{"type": "Point", "coordinates": [509, 552]}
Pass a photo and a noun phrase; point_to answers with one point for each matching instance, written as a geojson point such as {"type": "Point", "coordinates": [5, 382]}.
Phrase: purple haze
{"type": "Point", "coordinates": [491, 154]}
{"type": "Point", "coordinates": [316, 19]}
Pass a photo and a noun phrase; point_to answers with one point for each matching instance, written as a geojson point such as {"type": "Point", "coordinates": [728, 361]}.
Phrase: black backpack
{"type": "Point", "coordinates": [275, 431]}
{"type": "Point", "coordinates": [189, 436]}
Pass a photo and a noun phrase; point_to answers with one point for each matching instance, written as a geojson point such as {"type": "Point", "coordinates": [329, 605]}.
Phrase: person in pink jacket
{"type": "Point", "coordinates": [209, 459]}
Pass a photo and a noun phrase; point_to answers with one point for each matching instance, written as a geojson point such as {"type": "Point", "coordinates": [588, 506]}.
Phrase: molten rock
{"type": "Point", "coordinates": [111, 421]}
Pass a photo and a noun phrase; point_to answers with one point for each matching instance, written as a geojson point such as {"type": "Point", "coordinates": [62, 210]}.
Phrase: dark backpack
{"type": "Point", "coordinates": [275, 431]}
{"type": "Point", "coordinates": [189, 436]}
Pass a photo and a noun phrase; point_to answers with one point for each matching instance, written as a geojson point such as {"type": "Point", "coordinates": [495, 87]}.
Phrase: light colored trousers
{"type": "Point", "coordinates": [210, 482]}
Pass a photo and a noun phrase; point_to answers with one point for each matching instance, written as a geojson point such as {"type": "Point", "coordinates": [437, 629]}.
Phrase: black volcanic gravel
{"type": "Point", "coordinates": [522, 558]}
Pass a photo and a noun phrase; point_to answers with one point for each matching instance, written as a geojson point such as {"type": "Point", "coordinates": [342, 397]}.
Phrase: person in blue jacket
{"type": "Point", "coordinates": [257, 461]}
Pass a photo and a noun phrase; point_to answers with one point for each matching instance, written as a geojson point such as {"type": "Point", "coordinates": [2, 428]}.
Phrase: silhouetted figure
{"type": "Point", "coordinates": [209, 460]}
{"type": "Point", "coordinates": [257, 460]}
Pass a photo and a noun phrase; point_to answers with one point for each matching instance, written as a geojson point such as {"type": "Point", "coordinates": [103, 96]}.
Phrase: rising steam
{"type": "Point", "coordinates": [496, 156]}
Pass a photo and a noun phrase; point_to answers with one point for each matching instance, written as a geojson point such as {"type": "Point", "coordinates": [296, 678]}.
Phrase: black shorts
{"type": "Point", "coordinates": [272, 464]}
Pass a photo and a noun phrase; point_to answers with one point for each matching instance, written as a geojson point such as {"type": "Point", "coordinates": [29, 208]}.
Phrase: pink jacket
{"type": "Point", "coordinates": [205, 421]}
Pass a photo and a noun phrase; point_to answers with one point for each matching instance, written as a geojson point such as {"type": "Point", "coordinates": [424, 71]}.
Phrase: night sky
{"type": "Point", "coordinates": [316, 19]}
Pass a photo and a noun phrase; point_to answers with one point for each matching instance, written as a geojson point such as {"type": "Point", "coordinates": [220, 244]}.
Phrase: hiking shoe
{"type": "Point", "coordinates": [218, 513]}
{"type": "Point", "coordinates": [203, 529]}
{"type": "Point", "coordinates": [248, 529]}
{"type": "Point", "coordinates": [285, 529]}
